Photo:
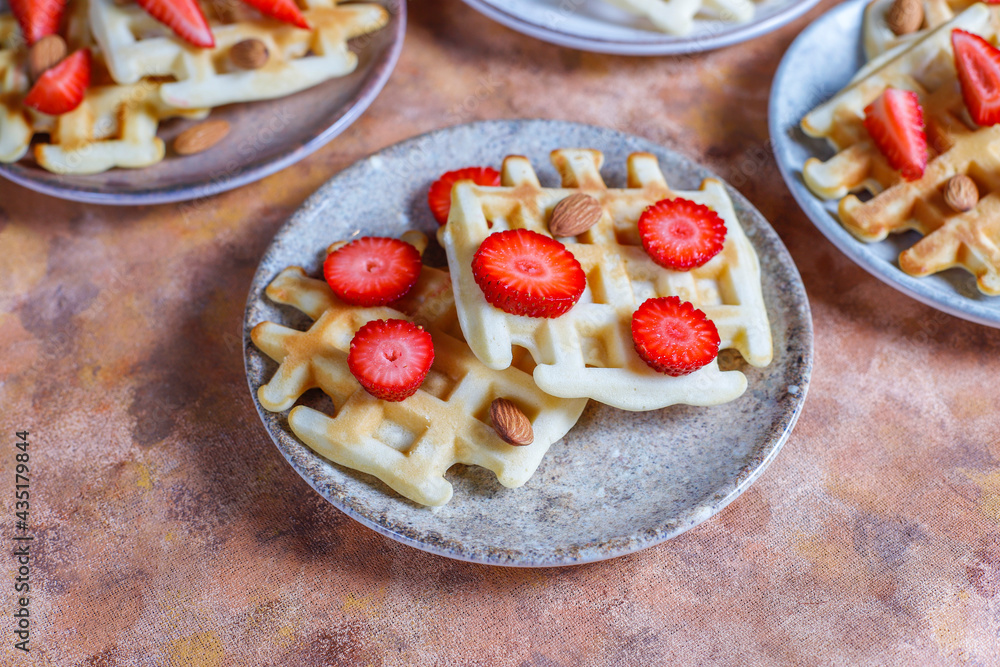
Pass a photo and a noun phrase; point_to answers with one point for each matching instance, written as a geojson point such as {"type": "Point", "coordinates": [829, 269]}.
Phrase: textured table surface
{"type": "Point", "coordinates": [169, 530]}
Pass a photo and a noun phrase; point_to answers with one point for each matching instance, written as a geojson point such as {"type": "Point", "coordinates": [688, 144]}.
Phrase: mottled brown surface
{"type": "Point", "coordinates": [169, 531]}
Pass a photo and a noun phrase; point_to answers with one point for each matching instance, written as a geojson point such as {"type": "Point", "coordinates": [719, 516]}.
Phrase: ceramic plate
{"type": "Point", "coordinates": [619, 481]}
{"type": "Point", "coordinates": [266, 136]}
{"type": "Point", "coordinates": [593, 25]}
{"type": "Point", "coordinates": [835, 40]}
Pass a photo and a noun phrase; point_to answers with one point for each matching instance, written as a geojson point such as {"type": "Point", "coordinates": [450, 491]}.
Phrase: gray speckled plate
{"type": "Point", "coordinates": [619, 481]}
{"type": "Point", "coordinates": [834, 39]}
{"type": "Point", "coordinates": [266, 136]}
{"type": "Point", "coordinates": [593, 25]}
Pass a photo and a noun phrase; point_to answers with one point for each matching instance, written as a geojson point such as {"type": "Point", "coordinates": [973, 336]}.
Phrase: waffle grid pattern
{"type": "Point", "coordinates": [588, 352]}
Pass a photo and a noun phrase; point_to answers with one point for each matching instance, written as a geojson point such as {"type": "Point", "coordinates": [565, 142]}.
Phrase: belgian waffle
{"type": "Point", "coordinates": [588, 352]}
{"type": "Point", "coordinates": [878, 37]}
{"type": "Point", "coordinates": [136, 46]}
{"type": "Point", "coordinates": [957, 146]}
{"type": "Point", "coordinates": [677, 16]}
{"type": "Point", "coordinates": [148, 75]}
{"type": "Point", "coordinates": [409, 445]}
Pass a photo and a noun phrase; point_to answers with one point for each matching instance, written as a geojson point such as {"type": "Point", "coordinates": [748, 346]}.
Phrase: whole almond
{"type": "Point", "coordinates": [905, 16]}
{"type": "Point", "coordinates": [200, 137]}
{"type": "Point", "coordinates": [961, 193]}
{"type": "Point", "coordinates": [574, 215]}
{"type": "Point", "coordinates": [510, 423]}
{"type": "Point", "coordinates": [249, 54]}
{"type": "Point", "coordinates": [45, 54]}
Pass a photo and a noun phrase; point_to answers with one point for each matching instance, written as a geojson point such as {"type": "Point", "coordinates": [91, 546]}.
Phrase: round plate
{"type": "Point", "coordinates": [593, 25]}
{"type": "Point", "coordinates": [266, 136]}
{"type": "Point", "coordinates": [834, 39]}
{"type": "Point", "coordinates": [619, 481]}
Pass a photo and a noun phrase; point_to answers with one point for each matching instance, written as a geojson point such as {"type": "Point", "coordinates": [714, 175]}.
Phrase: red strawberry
{"type": "Point", "coordinates": [283, 10]}
{"type": "Point", "coordinates": [439, 196]}
{"type": "Point", "coordinates": [61, 88]}
{"type": "Point", "coordinates": [895, 122]}
{"type": "Point", "coordinates": [674, 337]}
{"type": "Point", "coordinates": [679, 234]}
{"type": "Point", "coordinates": [978, 65]}
{"type": "Point", "coordinates": [184, 17]}
{"type": "Point", "coordinates": [522, 272]}
{"type": "Point", "coordinates": [390, 358]}
{"type": "Point", "coordinates": [372, 270]}
{"type": "Point", "coordinates": [38, 18]}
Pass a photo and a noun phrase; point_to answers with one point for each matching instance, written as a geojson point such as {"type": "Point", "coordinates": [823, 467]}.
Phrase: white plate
{"type": "Point", "coordinates": [593, 25]}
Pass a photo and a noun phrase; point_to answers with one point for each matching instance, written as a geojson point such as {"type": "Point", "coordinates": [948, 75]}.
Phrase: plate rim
{"type": "Point", "coordinates": [857, 251]}
{"type": "Point", "coordinates": [633, 542]}
{"type": "Point", "coordinates": [367, 94]}
{"type": "Point", "coordinates": [660, 44]}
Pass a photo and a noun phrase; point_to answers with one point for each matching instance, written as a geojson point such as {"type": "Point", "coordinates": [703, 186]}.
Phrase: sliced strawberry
{"type": "Point", "coordinates": [895, 122]}
{"type": "Point", "coordinates": [184, 17]}
{"type": "Point", "coordinates": [61, 89]}
{"type": "Point", "coordinates": [679, 234]}
{"type": "Point", "coordinates": [390, 358]}
{"type": "Point", "coordinates": [38, 18]}
{"type": "Point", "coordinates": [978, 65]}
{"type": "Point", "coordinates": [522, 272]}
{"type": "Point", "coordinates": [439, 196]}
{"type": "Point", "coordinates": [674, 337]}
{"type": "Point", "coordinates": [283, 10]}
{"type": "Point", "coordinates": [372, 270]}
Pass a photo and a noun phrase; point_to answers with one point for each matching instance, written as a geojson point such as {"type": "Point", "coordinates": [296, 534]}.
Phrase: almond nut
{"type": "Point", "coordinates": [45, 54]}
{"type": "Point", "coordinates": [575, 215]}
{"type": "Point", "coordinates": [510, 423]}
{"type": "Point", "coordinates": [249, 54]}
{"type": "Point", "coordinates": [200, 137]}
{"type": "Point", "coordinates": [905, 16]}
{"type": "Point", "coordinates": [961, 193]}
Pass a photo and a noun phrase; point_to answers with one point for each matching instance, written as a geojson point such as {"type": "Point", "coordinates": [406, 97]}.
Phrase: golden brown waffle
{"type": "Point", "coordinates": [409, 445]}
{"type": "Point", "coordinates": [588, 352]}
{"type": "Point", "coordinates": [878, 37]}
{"type": "Point", "coordinates": [136, 46]}
{"type": "Point", "coordinates": [155, 76]}
{"type": "Point", "coordinates": [677, 16]}
{"type": "Point", "coordinates": [970, 240]}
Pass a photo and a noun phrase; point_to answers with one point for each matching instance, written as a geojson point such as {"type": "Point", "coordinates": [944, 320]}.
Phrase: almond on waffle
{"type": "Point", "coordinates": [969, 239]}
{"type": "Point", "coordinates": [676, 17]}
{"type": "Point", "coordinates": [411, 444]}
{"type": "Point", "coordinates": [588, 351]}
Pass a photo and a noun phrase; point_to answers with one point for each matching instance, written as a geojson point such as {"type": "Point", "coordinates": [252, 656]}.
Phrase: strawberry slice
{"type": "Point", "coordinates": [283, 10]}
{"type": "Point", "coordinates": [679, 234]}
{"type": "Point", "coordinates": [60, 89]}
{"type": "Point", "coordinates": [522, 272]}
{"type": "Point", "coordinates": [372, 270]}
{"type": "Point", "coordinates": [184, 17]}
{"type": "Point", "coordinates": [978, 65]}
{"type": "Point", "coordinates": [390, 358]}
{"type": "Point", "coordinates": [439, 196]}
{"type": "Point", "coordinates": [895, 122]}
{"type": "Point", "coordinates": [38, 18]}
{"type": "Point", "coordinates": [674, 337]}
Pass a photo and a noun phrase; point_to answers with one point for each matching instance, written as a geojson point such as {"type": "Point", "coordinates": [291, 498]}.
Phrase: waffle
{"type": "Point", "coordinates": [588, 352]}
{"type": "Point", "coordinates": [878, 37]}
{"type": "Point", "coordinates": [137, 46]}
{"type": "Point", "coordinates": [957, 146]}
{"type": "Point", "coordinates": [409, 445]}
{"type": "Point", "coordinates": [152, 75]}
{"type": "Point", "coordinates": [676, 17]}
